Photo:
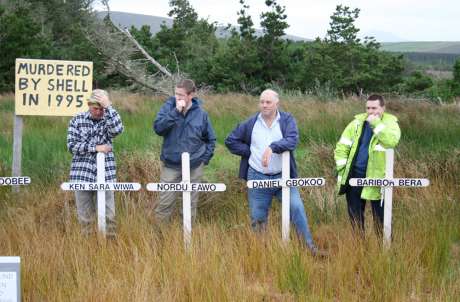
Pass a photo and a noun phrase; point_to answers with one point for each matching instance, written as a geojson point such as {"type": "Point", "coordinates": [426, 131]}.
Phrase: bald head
{"type": "Point", "coordinates": [268, 104]}
{"type": "Point", "coordinates": [270, 94]}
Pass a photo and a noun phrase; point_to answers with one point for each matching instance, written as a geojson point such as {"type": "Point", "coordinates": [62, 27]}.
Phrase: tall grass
{"type": "Point", "coordinates": [227, 262]}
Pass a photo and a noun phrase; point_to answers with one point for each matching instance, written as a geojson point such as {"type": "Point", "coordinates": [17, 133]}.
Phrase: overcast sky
{"type": "Point", "coordinates": [387, 20]}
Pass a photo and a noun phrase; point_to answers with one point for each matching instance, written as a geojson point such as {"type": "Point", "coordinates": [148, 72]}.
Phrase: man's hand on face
{"type": "Point", "coordinates": [103, 148]}
{"type": "Point", "coordinates": [180, 105]}
{"type": "Point", "coordinates": [372, 117]}
{"type": "Point", "coordinates": [103, 100]}
{"type": "Point", "coordinates": [266, 157]}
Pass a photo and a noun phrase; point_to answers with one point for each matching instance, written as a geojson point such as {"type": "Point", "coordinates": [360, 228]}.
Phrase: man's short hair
{"type": "Point", "coordinates": [273, 93]}
{"type": "Point", "coordinates": [188, 85]}
{"type": "Point", "coordinates": [92, 100]}
{"type": "Point", "coordinates": [375, 97]}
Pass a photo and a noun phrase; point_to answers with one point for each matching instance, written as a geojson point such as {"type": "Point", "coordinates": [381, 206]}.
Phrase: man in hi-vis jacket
{"type": "Point", "coordinates": [360, 153]}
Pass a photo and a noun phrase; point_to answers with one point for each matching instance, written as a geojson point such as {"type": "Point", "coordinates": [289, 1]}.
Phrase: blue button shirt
{"type": "Point", "coordinates": [262, 136]}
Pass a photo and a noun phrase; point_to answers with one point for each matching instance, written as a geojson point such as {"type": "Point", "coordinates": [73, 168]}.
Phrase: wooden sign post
{"type": "Point", "coordinates": [101, 186]}
{"type": "Point", "coordinates": [286, 183]}
{"type": "Point", "coordinates": [48, 87]}
{"type": "Point", "coordinates": [387, 185]}
{"type": "Point", "coordinates": [186, 188]}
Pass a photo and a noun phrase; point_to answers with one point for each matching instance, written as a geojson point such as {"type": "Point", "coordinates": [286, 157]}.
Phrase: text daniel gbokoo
{"type": "Point", "coordinates": [294, 182]}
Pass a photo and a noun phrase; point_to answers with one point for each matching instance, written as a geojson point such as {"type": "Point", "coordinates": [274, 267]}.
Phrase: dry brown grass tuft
{"type": "Point", "coordinates": [130, 102]}
{"type": "Point", "coordinates": [227, 261]}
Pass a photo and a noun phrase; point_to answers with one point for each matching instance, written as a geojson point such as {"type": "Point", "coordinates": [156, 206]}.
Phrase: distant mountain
{"type": "Point", "coordinates": [425, 47]}
{"type": "Point", "coordinates": [383, 36]}
{"type": "Point", "coordinates": [137, 20]}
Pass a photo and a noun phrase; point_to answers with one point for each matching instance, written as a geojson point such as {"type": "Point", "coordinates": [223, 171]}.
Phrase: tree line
{"type": "Point", "coordinates": [338, 64]}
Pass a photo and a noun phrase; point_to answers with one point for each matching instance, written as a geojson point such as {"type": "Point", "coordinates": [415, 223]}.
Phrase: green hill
{"type": "Point", "coordinates": [427, 47]}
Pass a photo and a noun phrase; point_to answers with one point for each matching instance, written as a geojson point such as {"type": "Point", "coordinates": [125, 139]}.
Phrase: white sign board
{"type": "Point", "coordinates": [186, 187]}
{"type": "Point", "coordinates": [14, 181]}
{"type": "Point", "coordinates": [107, 186]}
{"type": "Point", "coordinates": [389, 182]}
{"type": "Point", "coordinates": [8, 286]}
{"type": "Point", "coordinates": [52, 87]}
{"type": "Point", "coordinates": [10, 283]}
{"type": "Point", "coordinates": [292, 182]}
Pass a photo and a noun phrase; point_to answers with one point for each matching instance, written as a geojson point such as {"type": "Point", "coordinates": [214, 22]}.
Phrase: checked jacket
{"type": "Point", "coordinates": [83, 134]}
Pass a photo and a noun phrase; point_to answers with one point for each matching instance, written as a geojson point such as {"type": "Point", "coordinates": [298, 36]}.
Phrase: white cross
{"type": "Point", "coordinates": [286, 183]}
{"type": "Point", "coordinates": [101, 186]}
{"type": "Point", "coordinates": [387, 185]}
{"type": "Point", "coordinates": [186, 188]}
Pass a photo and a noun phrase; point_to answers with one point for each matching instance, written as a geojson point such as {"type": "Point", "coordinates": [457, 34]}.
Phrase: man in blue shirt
{"type": "Point", "coordinates": [185, 127]}
{"type": "Point", "coordinates": [259, 141]}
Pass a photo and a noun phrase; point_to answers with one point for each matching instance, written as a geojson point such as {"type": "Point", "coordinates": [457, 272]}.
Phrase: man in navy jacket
{"type": "Point", "coordinates": [185, 127]}
{"type": "Point", "coordinates": [260, 141]}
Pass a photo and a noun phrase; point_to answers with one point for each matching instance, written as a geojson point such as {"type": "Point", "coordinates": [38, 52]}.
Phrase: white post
{"type": "Point", "coordinates": [101, 193]}
{"type": "Point", "coordinates": [388, 199]}
{"type": "Point", "coordinates": [186, 200]}
{"type": "Point", "coordinates": [286, 200]}
{"type": "Point", "coordinates": [186, 187]}
{"type": "Point", "coordinates": [101, 187]}
{"type": "Point", "coordinates": [387, 185]}
{"type": "Point", "coordinates": [17, 148]}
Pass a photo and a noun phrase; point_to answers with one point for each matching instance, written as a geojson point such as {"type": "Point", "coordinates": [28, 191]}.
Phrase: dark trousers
{"type": "Point", "coordinates": [356, 206]}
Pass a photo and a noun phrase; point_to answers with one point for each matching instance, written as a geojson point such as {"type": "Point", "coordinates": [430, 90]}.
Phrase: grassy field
{"type": "Point", "coordinates": [227, 262]}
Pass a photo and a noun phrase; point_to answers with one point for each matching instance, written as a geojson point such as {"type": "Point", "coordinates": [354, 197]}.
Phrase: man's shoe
{"type": "Point", "coordinates": [317, 253]}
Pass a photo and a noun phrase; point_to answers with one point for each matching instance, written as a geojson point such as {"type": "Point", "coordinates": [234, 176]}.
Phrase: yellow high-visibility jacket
{"type": "Point", "coordinates": [386, 135]}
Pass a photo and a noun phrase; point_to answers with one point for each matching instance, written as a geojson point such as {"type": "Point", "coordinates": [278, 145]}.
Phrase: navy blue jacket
{"type": "Point", "coordinates": [192, 133]}
{"type": "Point", "coordinates": [239, 141]}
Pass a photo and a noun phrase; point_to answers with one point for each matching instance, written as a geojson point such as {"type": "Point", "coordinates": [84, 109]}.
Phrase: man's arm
{"type": "Point", "coordinates": [290, 140]}
{"type": "Point", "coordinates": [343, 147]}
{"type": "Point", "coordinates": [235, 141]}
{"type": "Point", "coordinates": [113, 122]}
{"type": "Point", "coordinates": [166, 119]}
{"type": "Point", "coordinates": [387, 134]}
{"type": "Point", "coordinates": [75, 143]}
{"type": "Point", "coordinates": [210, 140]}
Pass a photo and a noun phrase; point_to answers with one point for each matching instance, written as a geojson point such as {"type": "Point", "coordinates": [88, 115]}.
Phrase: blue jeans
{"type": "Point", "coordinates": [260, 201]}
{"type": "Point", "coordinates": [356, 207]}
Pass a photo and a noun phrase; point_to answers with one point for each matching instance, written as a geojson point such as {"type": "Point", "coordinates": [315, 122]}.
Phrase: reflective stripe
{"type": "Point", "coordinates": [339, 178]}
{"type": "Point", "coordinates": [341, 162]}
{"type": "Point", "coordinates": [345, 141]}
{"type": "Point", "coordinates": [379, 147]}
{"type": "Point", "coordinates": [379, 128]}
